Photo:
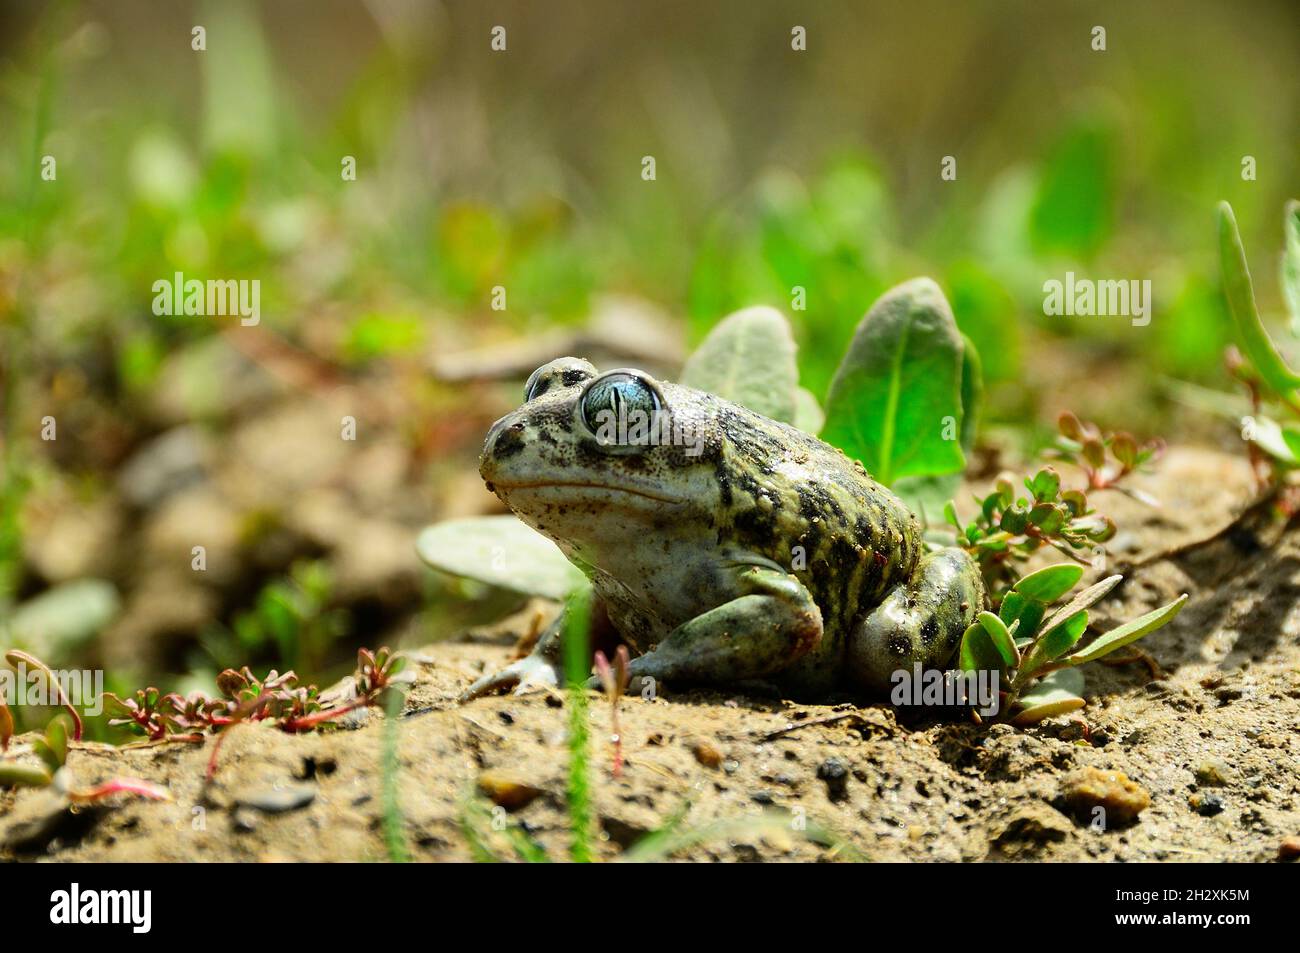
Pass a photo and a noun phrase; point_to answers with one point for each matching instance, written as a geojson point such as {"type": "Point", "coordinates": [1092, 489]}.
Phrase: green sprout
{"type": "Point", "coordinates": [1273, 428]}
{"type": "Point", "coordinates": [279, 699]}
{"type": "Point", "coordinates": [52, 748]}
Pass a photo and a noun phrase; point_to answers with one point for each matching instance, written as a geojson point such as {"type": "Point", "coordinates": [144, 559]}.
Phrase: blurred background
{"type": "Point", "coordinates": [522, 169]}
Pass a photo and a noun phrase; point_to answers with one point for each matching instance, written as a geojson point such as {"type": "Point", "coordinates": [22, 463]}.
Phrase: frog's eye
{"type": "Point", "coordinates": [564, 372]}
{"type": "Point", "coordinates": [617, 404]}
{"type": "Point", "coordinates": [531, 389]}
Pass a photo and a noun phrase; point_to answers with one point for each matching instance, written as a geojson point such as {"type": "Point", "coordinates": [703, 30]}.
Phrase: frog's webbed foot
{"type": "Point", "coordinates": [532, 673]}
{"type": "Point", "coordinates": [921, 620]}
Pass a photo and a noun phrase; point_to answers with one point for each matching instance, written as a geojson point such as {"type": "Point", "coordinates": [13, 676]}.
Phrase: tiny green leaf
{"type": "Point", "coordinates": [1056, 694]}
{"type": "Point", "coordinates": [56, 737]}
{"type": "Point", "coordinates": [978, 653]}
{"type": "Point", "coordinates": [898, 385]}
{"type": "Point", "coordinates": [1001, 639]}
{"type": "Point", "coordinates": [1082, 600]}
{"type": "Point", "coordinates": [24, 775]}
{"type": "Point", "coordinates": [1049, 583]}
{"type": "Point", "coordinates": [749, 359]}
{"type": "Point", "coordinates": [1128, 632]}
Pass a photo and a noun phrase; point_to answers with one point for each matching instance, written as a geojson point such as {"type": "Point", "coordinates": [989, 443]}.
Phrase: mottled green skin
{"type": "Point", "coordinates": [769, 555]}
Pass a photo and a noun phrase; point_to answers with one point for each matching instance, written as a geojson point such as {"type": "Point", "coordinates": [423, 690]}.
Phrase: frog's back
{"type": "Point", "coordinates": [806, 506]}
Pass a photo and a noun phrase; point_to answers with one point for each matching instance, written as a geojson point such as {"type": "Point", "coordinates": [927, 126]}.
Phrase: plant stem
{"type": "Point", "coordinates": [394, 824]}
{"type": "Point", "coordinates": [577, 667]}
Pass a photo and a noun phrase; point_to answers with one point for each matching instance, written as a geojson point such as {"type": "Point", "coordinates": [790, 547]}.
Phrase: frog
{"type": "Point", "coordinates": [723, 547]}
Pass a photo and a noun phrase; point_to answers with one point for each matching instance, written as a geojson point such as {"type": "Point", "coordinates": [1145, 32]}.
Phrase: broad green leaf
{"type": "Point", "coordinates": [1251, 335]}
{"type": "Point", "coordinates": [1050, 583]}
{"type": "Point", "coordinates": [899, 387]}
{"type": "Point", "coordinates": [749, 359]}
{"type": "Point", "coordinates": [500, 551]}
{"type": "Point", "coordinates": [808, 415]}
{"type": "Point", "coordinates": [1082, 600]}
{"type": "Point", "coordinates": [1056, 694]}
{"type": "Point", "coordinates": [1291, 264]}
{"type": "Point", "coordinates": [1128, 632]}
{"type": "Point", "coordinates": [978, 653]}
{"type": "Point", "coordinates": [1001, 638]}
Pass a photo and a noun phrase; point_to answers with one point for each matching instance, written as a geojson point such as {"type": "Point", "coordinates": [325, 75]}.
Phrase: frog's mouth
{"type": "Point", "coordinates": [495, 486]}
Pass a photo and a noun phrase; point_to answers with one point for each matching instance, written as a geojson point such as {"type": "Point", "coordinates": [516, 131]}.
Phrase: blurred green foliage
{"type": "Point", "coordinates": [775, 171]}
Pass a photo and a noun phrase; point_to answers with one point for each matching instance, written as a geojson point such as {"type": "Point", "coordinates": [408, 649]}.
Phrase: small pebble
{"type": "Point", "coordinates": [1206, 805]}
{"type": "Point", "coordinates": [1121, 798]}
{"type": "Point", "coordinates": [1213, 773]}
{"type": "Point", "coordinates": [279, 799]}
{"type": "Point", "coordinates": [836, 775]}
{"type": "Point", "coordinates": [506, 790]}
{"type": "Point", "coordinates": [706, 754]}
{"type": "Point", "coordinates": [1289, 849]}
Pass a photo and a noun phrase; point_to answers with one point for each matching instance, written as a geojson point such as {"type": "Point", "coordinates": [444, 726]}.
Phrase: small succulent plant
{"type": "Point", "coordinates": [1035, 653]}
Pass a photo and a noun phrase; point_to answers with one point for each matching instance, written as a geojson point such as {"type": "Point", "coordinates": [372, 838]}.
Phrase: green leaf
{"type": "Point", "coordinates": [978, 653]}
{"type": "Point", "coordinates": [1056, 694]}
{"type": "Point", "coordinates": [500, 551]}
{"type": "Point", "coordinates": [899, 385]}
{"type": "Point", "coordinates": [24, 775]}
{"type": "Point", "coordinates": [1054, 642]}
{"type": "Point", "coordinates": [1291, 264]}
{"type": "Point", "coordinates": [1022, 612]}
{"type": "Point", "coordinates": [56, 741]}
{"type": "Point", "coordinates": [749, 359]}
{"type": "Point", "coordinates": [1082, 600]}
{"type": "Point", "coordinates": [1128, 632]}
{"type": "Point", "coordinates": [1251, 335]}
{"type": "Point", "coordinates": [1001, 638]}
{"type": "Point", "coordinates": [1050, 583]}
{"type": "Point", "coordinates": [808, 415]}
{"type": "Point", "coordinates": [1269, 436]}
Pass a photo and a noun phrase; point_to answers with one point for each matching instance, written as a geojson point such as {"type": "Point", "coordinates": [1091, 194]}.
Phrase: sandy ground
{"type": "Point", "coordinates": [1208, 751]}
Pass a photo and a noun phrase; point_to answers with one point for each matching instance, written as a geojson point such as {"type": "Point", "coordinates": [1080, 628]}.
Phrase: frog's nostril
{"type": "Point", "coordinates": [509, 441]}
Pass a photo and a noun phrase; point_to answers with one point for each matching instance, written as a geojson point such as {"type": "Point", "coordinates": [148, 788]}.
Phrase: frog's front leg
{"type": "Point", "coordinates": [920, 620]}
{"type": "Point", "coordinates": [770, 624]}
{"type": "Point", "coordinates": [544, 666]}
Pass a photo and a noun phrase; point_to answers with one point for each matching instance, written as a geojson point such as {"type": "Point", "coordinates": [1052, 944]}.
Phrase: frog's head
{"type": "Point", "coordinates": [585, 446]}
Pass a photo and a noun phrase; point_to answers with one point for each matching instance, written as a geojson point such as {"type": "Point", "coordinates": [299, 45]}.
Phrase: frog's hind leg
{"type": "Point", "coordinates": [921, 620]}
